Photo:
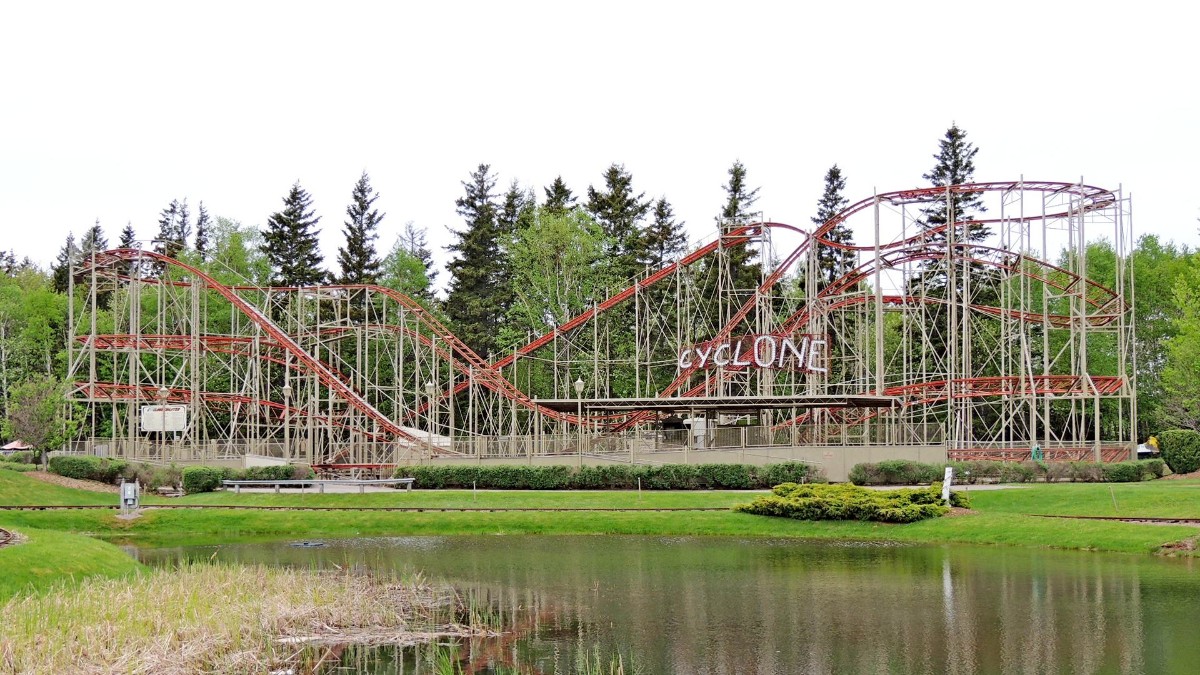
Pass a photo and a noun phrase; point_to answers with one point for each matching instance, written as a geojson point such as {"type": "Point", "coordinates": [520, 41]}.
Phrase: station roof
{"type": "Point", "coordinates": [724, 404]}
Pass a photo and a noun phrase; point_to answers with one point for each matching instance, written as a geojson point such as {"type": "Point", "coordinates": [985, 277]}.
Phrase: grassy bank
{"type": "Point", "coordinates": [46, 558]}
{"type": "Point", "coordinates": [999, 517]}
{"type": "Point", "coordinates": [215, 618]}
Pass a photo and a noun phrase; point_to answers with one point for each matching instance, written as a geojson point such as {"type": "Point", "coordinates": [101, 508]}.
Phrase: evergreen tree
{"type": "Point", "coordinates": [475, 303]}
{"type": "Point", "coordinates": [174, 228]}
{"type": "Point", "coordinates": [8, 263]}
{"type": "Point", "coordinates": [516, 209]}
{"type": "Point", "coordinates": [955, 166]}
{"type": "Point", "coordinates": [664, 239]}
{"type": "Point", "coordinates": [61, 269]}
{"type": "Point", "coordinates": [413, 241]}
{"type": "Point", "coordinates": [619, 212]}
{"type": "Point", "coordinates": [93, 240]}
{"type": "Point", "coordinates": [743, 270]}
{"type": "Point", "coordinates": [183, 227]}
{"type": "Point", "coordinates": [358, 258]}
{"type": "Point", "coordinates": [559, 199]}
{"type": "Point", "coordinates": [129, 240]}
{"type": "Point", "coordinates": [833, 262]}
{"type": "Point", "coordinates": [202, 226]}
{"type": "Point", "coordinates": [128, 237]}
{"type": "Point", "coordinates": [290, 242]}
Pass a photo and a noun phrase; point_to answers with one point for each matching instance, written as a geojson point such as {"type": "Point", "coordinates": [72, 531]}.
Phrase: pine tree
{"type": "Point", "coordinates": [61, 269]}
{"type": "Point", "coordinates": [202, 226]}
{"type": "Point", "coordinates": [559, 199]}
{"type": "Point", "coordinates": [183, 228]}
{"type": "Point", "coordinates": [358, 259]}
{"type": "Point", "coordinates": [413, 240]}
{"type": "Point", "coordinates": [833, 262]}
{"type": "Point", "coordinates": [516, 210]}
{"type": "Point", "coordinates": [167, 242]}
{"type": "Point", "coordinates": [744, 271]}
{"type": "Point", "coordinates": [128, 237]}
{"type": "Point", "coordinates": [8, 263]}
{"type": "Point", "coordinates": [474, 303]}
{"type": "Point", "coordinates": [619, 213]}
{"type": "Point", "coordinates": [93, 240]}
{"type": "Point", "coordinates": [664, 239]}
{"type": "Point", "coordinates": [291, 244]}
{"type": "Point", "coordinates": [955, 166]}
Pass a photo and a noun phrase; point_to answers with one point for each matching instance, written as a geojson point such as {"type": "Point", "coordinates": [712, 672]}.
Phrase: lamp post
{"type": "Point", "coordinates": [163, 393]}
{"type": "Point", "coordinates": [579, 408]}
{"type": "Point", "coordinates": [287, 419]}
{"type": "Point", "coordinates": [430, 390]}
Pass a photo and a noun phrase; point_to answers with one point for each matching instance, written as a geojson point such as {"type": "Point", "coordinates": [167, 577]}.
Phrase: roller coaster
{"type": "Point", "coordinates": [1016, 346]}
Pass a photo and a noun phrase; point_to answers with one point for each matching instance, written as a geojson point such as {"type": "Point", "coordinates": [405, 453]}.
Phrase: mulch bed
{"type": "Point", "coordinates": [56, 479]}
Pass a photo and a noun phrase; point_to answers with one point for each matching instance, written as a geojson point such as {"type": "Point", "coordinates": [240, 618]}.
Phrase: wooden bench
{"type": "Point", "coordinates": [237, 485]}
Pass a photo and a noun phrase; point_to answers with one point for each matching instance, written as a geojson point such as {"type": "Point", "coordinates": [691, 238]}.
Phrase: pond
{"type": "Point", "coordinates": [728, 605]}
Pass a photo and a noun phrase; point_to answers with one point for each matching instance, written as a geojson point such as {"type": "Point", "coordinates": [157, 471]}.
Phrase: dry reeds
{"type": "Point", "coordinates": [215, 618]}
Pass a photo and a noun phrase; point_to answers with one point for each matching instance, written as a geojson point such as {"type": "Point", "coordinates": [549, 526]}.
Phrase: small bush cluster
{"type": "Point", "coordinates": [85, 467]}
{"type": "Point", "coordinates": [850, 502]}
{"type": "Point", "coordinates": [1180, 449]}
{"type": "Point", "coordinates": [612, 477]}
{"type": "Point", "coordinates": [19, 468]}
{"type": "Point", "coordinates": [151, 476]}
{"type": "Point", "coordinates": [19, 457]}
{"type": "Point", "coordinates": [208, 478]}
{"type": "Point", "coordinates": [904, 472]}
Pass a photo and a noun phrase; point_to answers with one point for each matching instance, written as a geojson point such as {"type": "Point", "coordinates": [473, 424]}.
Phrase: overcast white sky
{"type": "Point", "coordinates": [111, 110]}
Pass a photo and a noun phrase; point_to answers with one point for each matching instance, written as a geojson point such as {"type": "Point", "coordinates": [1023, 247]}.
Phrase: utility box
{"type": "Point", "coordinates": [130, 496]}
{"type": "Point", "coordinates": [699, 432]}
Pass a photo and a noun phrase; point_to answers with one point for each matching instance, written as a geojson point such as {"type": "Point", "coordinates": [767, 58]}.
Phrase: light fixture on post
{"type": "Point", "coordinates": [163, 393]}
{"type": "Point", "coordinates": [287, 420]}
{"type": "Point", "coordinates": [579, 410]}
{"type": "Point", "coordinates": [430, 390]}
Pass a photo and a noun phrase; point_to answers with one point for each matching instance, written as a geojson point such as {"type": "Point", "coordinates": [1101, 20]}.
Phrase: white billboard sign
{"type": "Point", "coordinates": [164, 417]}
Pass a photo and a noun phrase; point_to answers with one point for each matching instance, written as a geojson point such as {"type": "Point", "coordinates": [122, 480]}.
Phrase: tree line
{"type": "Point", "coordinates": [526, 259]}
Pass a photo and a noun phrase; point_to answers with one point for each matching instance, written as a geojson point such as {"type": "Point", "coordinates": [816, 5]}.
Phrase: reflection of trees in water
{"type": "Point", "coordinates": [717, 605]}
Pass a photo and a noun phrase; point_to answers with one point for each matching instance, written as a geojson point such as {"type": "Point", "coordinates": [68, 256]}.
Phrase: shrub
{"type": "Point", "coordinates": [895, 472]}
{"type": "Point", "coordinates": [202, 478]}
{"type": "Point", "coordinates": [1122, 472]}
{"type": "Point", "coordinates": [1180, 449]}
{"type": "Point", "coordinates": [1086, 472]}
{"type": "Point", "coordinates": [726, 476]}
{"type": "Point", "coordinates": [1153, 468]}
{"type": "Point", "coordinates": [151, 476]}
{"type": "Point", "coordinates": [18, 457]}
{"type": "Point", "coordinates": [848, 502]}
{"type": "Point", "coordinates": [790, 472]}
{"type": "Point", "coordinates": [19, 468]}
{"type": "Point", "coordinates": [611, 477]}
{"type": "Point", "coordinates": [85, 467]}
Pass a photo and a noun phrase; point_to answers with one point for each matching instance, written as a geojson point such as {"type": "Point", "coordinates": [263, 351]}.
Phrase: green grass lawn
{"type": "Point", "coordinates": [19, 489]}
{"type": "Point", "coordinates": [1150, 499]}
{"type": "Point", "coordinates": [1001, 517]}
{"type": "Point", "coordinates": [484, 499]}
{"type": "Point", "coordinates": [49, 558]}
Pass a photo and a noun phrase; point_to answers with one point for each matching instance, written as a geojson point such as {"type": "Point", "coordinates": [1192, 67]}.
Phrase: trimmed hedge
{"type": "Point", "coordinates": [904, 472]}
{"type": "Point", "coordinates": [611, 477]}
{"type": "Point", "coordinates": [1180, 449]}
{"type": "Point", "coordinates": [850, 502]}
{"type": "Point", "coordinates": [86, 467]}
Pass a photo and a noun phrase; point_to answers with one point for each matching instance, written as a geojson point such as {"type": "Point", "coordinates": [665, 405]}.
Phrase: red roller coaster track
{"type": "Point", "coordinates": [281, 348]}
